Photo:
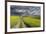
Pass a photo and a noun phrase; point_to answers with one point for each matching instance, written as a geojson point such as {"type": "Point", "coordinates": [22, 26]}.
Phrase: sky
{"type": "Point", "coordinates": [25, 10]}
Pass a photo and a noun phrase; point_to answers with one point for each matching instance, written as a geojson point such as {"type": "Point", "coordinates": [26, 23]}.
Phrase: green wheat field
{"type": "Point", "coordinates": [26, 22]}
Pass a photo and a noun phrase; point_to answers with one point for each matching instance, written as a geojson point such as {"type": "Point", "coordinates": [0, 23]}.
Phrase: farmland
{"type": "Point", "coordinates": [27, 21]}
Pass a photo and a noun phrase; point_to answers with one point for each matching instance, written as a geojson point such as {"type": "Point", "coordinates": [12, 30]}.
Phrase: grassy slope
{"type": "Point", "coordinates": [28, 20]}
